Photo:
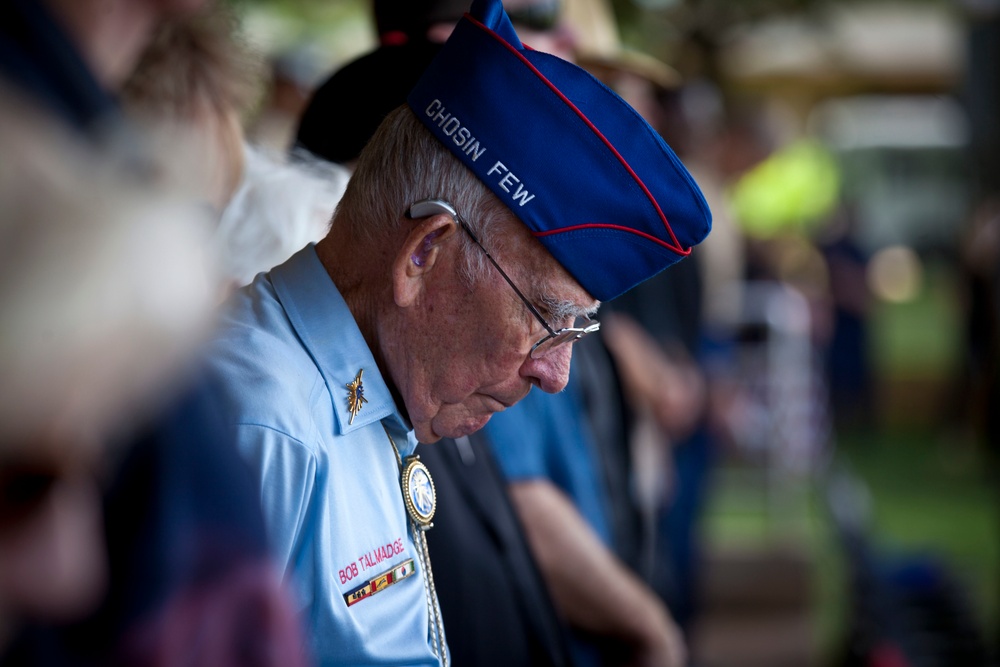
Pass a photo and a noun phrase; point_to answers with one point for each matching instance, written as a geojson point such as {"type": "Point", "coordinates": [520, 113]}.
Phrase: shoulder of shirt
{"type": "Point", "coordinates": [264, 374]}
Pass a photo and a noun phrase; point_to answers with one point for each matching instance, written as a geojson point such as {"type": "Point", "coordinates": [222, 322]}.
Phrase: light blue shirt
{"type": "Point", "coordinates": [330, 489]}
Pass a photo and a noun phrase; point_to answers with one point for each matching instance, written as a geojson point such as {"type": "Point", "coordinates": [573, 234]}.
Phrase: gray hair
{"type": "Point", "coordinates": [404, 163]}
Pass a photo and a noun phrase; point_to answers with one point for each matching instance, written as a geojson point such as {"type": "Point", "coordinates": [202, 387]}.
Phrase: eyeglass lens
{"type": "Point", "coordinates": [584, 327]}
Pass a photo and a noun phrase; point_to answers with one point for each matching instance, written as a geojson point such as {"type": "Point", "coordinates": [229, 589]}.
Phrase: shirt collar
{"type": "Point", "coordinates": [325, 325]}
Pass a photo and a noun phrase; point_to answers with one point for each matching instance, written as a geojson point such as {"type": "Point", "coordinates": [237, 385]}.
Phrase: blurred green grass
{"type": "Point", "coordinates": [926, 499]}
{"type": "Point", "coordinates": [932, 493]}
{"type": "Point", "coordinates": [925, 470]}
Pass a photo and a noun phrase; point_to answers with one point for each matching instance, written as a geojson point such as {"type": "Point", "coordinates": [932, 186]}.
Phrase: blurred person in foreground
{"type": "Point", "coordinates": [78, 367]}
{"type": "Point", "coordinates": [177, 567]}
{"type": "Point", "coordinates": [96, 338]}
{"type": "Point", "coordinates": [69, 56]}
{"type": "Point", "coordinates": [457, 261]}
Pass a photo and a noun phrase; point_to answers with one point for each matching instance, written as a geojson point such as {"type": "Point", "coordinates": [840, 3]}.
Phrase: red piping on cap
{"type": "Point", "coordinates": [622, 228]}
{"type": "Point", "coordinates": [676, 246]}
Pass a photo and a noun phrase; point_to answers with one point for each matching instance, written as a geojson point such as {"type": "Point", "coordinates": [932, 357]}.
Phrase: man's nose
{"type": "Point", "coordinates": [551, 372]}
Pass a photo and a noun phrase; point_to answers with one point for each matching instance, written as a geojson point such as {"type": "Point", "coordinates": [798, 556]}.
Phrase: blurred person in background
{"type": "Point", "coordinates": [979, 394]}
{"type": "Point", "coordinates": [421, 26]}
{"type": "Point", "coordinates": [294, 74]}
{"type": "Point", "coordinates": [582, 474]}
{"type": "Point", "coordinates": [189, 579]}
{"type": "Point", "coordinates": [192, 90]}
{"type": "Point", "coordinates": [279, 207]}
{"type": "Point", "coordinates": [567, 470]}
{"type": "Point", "coordinates": [655, 334]}
{"type": "Point", "coordinates": [361, 598]}
{"type": "Point", "coordinates": [846, 360]}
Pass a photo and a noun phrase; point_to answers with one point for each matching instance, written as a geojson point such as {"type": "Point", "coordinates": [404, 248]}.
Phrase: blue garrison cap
{"type": "Point", "coordinates": [583, 170]}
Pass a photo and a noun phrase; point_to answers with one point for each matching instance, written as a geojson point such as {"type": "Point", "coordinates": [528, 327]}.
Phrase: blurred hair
{"type": "Point", "coordinates": [196, 59]}
{"type": "Point", "coordinates": [403, 164]}
{"type": "Point", "coordinates": [197, 77]}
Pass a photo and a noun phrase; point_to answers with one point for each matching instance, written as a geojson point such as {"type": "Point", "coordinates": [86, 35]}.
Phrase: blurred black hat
{"type": "Point", "coordinates": [346, 109]}
{"type": "Point", "coordinates": [398, 21]}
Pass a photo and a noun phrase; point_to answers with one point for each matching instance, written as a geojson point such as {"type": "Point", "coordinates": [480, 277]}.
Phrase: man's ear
{"type": "Point", "coordinates": [419, 255]}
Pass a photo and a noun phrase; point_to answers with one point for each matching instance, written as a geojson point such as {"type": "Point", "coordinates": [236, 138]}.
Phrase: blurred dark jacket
{"type": "Point", "coordinates": [496, 606]}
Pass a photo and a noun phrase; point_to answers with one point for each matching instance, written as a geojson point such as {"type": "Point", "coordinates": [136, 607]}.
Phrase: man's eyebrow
{"type": "Point", "coordinates": [562, 309]}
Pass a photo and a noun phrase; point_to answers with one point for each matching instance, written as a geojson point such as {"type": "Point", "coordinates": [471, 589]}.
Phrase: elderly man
{"type": "Point", "coordinates": [483, 223]}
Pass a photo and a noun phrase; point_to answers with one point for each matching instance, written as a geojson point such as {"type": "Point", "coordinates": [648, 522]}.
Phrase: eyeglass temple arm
{"type": "Point", "coordinates": [527, 303]}
{"type": "Point", "coordinates": [436, 206]}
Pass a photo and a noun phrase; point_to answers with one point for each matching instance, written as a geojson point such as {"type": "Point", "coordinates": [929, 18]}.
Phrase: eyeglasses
{"type": "Point", "coordinates": [554, 338]}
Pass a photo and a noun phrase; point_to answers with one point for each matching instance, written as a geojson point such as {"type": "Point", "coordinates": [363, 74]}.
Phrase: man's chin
{"type": "Point", "coordinates": [466, 427]}
{"type": "Point", "coordinates": [477, 424]}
